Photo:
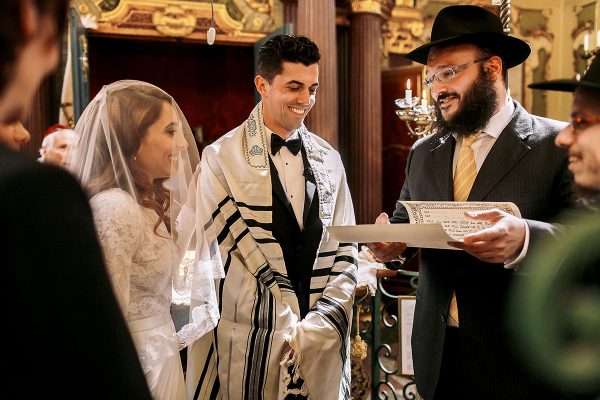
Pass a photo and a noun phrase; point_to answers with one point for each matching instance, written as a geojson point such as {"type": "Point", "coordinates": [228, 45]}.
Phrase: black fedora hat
{"type": "Point", "coordinates": [472, 24]}
{"type": "Point", "coordinates": [591, 79]}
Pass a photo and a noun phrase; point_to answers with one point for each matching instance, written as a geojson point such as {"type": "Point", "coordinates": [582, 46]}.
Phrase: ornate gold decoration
{"type": "Point", "coordinates": [366, 6]}
{"type": "Point", "coordinates": [263, 8]}
{"type": "Point", "coordinates": [85, 65]}
{"type": "Point", "coordinates": [64, 109]}
{"type": "Point", "coordinates": [402, 32]}
{"type": "Point", "coordinates": [174, 21]}
{"type": "Point", "coordinates": [185, 19]}
{"type": "Point", "coordinates": [401, 36]}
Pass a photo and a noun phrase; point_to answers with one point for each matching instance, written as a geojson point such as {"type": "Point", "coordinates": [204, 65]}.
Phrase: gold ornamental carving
{"type": "Point", "coordinates": [174, 21]}
{"type": "Point", "coordinates": [263, 8]}
{"type": "Point", "coordinates": [367, 6]}
{"type": "Point", "coordinates": [180, 19]}
{"type": "Point", "coordinates": [403, 31]}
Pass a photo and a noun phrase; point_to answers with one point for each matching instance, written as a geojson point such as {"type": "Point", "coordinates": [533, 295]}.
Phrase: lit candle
{"type": "Point", "coordinates": [586, 42]}
{"type": "Point", "coordinates": [424, 98]}
{"type": "Point", "coordinates": [408, 92]}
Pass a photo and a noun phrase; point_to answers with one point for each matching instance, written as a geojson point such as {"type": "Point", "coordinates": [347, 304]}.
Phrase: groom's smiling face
{"type": "Point", "coordinates": [289, 97]}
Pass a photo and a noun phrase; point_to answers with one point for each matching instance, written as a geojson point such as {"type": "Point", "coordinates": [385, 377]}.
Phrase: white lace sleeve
{"type": "Point", "coordinates": [117, 219]}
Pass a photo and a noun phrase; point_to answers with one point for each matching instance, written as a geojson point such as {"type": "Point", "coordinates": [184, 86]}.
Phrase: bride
{"type": "Point", "coordinates": [135, 155]}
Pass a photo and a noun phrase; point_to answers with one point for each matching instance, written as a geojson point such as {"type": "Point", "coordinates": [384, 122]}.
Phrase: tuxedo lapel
{"type": "Point", "coordinates": [504, 155]}
{"type": "Point", "coordinates": [279, 191]}
{"type": "Point", "coordinates": [442, 166]}
{"type": "Point", "coordinates": [308, 199]}
{"type": "Point", "coordinates": [309, 186]}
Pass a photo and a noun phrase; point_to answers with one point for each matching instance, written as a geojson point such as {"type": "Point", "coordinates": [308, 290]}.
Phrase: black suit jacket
{"type": "Point", "coordinates": [67, 338]}
{"type": "Point", "coordinates": [524, 166]}
{"type": "Point", "coordinates": [299, 246]}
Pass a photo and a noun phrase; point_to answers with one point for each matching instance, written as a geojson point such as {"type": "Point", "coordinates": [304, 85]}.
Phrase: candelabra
{"type": "Point", "coordinates": [587, 53]}
{"type": "Point", "coordinates": [417, 114]}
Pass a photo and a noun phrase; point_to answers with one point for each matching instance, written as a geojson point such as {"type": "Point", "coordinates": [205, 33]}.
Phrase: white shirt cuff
{"type": "Point", "coordinates": [514, 263]}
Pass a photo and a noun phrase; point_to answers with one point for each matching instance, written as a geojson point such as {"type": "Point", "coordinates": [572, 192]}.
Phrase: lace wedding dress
{"type": "Point", "coordinates": [141, 265]}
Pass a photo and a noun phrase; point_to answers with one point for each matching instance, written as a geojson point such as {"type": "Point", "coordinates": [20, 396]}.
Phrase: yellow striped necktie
{"type": "Point", "coordinates": [464, 176]}
{"type": "Point", "coordinates": [466, 170]}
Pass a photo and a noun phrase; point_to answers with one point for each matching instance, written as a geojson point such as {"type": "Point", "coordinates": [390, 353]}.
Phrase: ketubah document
{"type": "Point", "coordinates": [432, 224]}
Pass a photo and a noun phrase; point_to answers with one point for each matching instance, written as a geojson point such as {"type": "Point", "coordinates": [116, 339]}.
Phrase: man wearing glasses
{"type": "Point", "coordinates": [582, 136]}
{"type": "Point", "coordinates": [486, 148]}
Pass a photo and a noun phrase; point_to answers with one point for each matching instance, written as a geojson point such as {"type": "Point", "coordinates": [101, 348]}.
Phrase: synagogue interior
{"type": "Point", "coordinates": [372, 107]}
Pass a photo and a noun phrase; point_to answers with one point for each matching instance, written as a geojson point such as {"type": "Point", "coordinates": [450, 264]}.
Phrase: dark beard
{"type": "Point", "coordinates": [476, 107]}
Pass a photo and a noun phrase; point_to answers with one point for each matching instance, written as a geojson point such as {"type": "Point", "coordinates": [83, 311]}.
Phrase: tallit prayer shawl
{"type": "Point", "coordinates": [259, 310]}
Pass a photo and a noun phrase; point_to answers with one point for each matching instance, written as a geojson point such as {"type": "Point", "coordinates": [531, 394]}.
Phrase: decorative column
{"type": "Point", "coordinates": [290, 12]}
{"type": "Point", "coordinates": [316, 20]}
{"type": "Point", "coordinates": [364, 142]}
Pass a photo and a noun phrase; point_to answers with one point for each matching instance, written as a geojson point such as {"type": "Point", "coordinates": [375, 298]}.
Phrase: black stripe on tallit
{"type": "Point", "coordinates": [253, 207]}
{"type": "Point", "coordinates": [219, 206]}
{"type": "Point", "coordinates": [282, 281]}
{"type": "Point", "coordinates": [348, 259]}
{"type": "Point", "coordinates": [259, 345]}
{"type": "Point", "coordinates": [203, 374]}
{"type": "Point", "coordinates": [335, 313]}
{"type": "Point", "coordinates": [321, 272]}
{"type": "Point", "coordinates": [252, 223]}
{"type": "Point", "coordinates": [228, 223]}
{"type": "Point", "coordinates": [265, 240]}
{"type": "Point", "coordinates": [327, 254]}
{"type": "Point", "coordinates": [265, 275]}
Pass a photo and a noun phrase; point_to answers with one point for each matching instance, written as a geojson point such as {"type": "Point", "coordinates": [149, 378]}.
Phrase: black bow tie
{"type": "Point", "coordinates": [277, 143]}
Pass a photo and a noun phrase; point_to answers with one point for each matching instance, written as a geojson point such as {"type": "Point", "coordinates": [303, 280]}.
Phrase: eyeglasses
{"type": "Point", "coordinates": [446, 74]}
{"type": "Point", "coordinates": [581, 123]}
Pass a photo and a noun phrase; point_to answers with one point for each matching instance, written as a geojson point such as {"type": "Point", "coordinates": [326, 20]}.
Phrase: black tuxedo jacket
{"type": "Point", "coordinates": [524, 166]}
{"type": "Point", "coordinates": [67, 337]}
{"type": "Point", "coordinates": [299, 246]}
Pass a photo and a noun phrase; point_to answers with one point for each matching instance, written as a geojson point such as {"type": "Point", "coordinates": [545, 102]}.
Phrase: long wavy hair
{"type": "Point", "coordinates": [131, 111]}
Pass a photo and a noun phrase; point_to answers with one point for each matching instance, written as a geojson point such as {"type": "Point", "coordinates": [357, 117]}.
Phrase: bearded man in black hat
{"type": "Point", "coordinates": [486, 148]}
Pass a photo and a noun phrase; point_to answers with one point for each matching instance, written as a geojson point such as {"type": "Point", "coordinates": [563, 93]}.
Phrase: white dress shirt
{"type": "Point", "coordinates": [481, 148]}
{"type": "Point", "coordinates": [291, 174]}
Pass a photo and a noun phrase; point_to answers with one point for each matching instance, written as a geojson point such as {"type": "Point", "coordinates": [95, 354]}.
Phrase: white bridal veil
{"type": "Point", "coordinates": [105, 157]}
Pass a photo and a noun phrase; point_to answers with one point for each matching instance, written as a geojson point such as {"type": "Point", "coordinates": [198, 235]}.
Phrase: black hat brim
{"type": "Point", "coordinates": [564, 85]}
{"type": "Point", "coordinates": [512, 50]}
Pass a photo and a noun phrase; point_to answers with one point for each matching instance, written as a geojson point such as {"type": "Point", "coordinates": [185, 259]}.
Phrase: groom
{"type": "Point", "coordinates": [267, 190]}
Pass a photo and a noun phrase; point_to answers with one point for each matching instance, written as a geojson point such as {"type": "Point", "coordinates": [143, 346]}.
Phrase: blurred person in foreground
{"type": "Point", "coordinates": [71, 338]}
{"type": "Point", "coordinates": [14, 135]}
{"type": "Point", "coordinates": [558, 341]}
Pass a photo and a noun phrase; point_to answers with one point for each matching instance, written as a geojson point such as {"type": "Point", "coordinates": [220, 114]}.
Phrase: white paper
{"type": "Point", "coordinates": [432, 224]}
{"type": "Point", "coordinates": [414, 235]}
{"type": "Point", "coordinates": [407, 312]}
{"type": "Point", "coordinates": [451, 214]}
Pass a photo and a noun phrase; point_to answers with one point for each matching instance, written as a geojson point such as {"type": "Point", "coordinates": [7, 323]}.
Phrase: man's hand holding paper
{"type": "Point", "coordinates": [490, 231]}
{"type": "Point", "coordinates": [500, 243]}
{"type": "Point", "coordinates": [386, 251]}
